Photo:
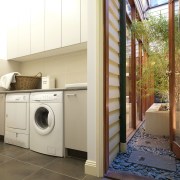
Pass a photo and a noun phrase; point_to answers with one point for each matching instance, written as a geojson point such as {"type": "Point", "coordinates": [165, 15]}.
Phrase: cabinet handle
{"type": "Point", "coordinates": [70, 94]}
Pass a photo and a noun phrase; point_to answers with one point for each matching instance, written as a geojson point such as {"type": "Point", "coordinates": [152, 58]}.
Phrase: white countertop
{"type": "Point", "coordinates": [41, 90]}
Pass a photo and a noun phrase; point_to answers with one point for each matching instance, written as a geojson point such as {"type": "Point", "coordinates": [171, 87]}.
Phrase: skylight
{"type": "Point", "coordinates": [154, 3]}
{"type": "Point", "coordinates": [144, 5]}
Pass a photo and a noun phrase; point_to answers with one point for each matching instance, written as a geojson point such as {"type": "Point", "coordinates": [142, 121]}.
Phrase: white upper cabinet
{"type": "Point", "coordinates": [37, 26]}
{"type": "Point", "coordinates": [52, 24]}
{"type": "Point", "coordinates": [70, 22]}
{"type": "Point", "coordinates": [83, 20]}
{"type": "Point", "coordinates": [18, 26]}
{"type": "Point", "coordinates": [24, 28]}
{"type": "Point", "coordinates": [12, 33]}
{"type": "Point", "coordinates": [3, 30]}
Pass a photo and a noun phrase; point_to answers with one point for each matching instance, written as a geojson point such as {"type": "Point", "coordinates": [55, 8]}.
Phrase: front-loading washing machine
{"type": "Point", "coordinates": [46, 122]}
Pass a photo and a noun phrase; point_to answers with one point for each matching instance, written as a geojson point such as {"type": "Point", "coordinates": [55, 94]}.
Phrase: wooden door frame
{"type": "Point", "coordinates": [106, 84]}
{"type": "Point", "coordinates": [172, 125]}
{"type": "Point", "coordinates": [140, 74]}
{"type": "Point", "coordinates": [172, 70]}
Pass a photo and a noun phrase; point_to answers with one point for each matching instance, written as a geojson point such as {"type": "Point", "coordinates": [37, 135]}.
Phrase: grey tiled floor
{"type": "Point", "coordinates": [21, 164]}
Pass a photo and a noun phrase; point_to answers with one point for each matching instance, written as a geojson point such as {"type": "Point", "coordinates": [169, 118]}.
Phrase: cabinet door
{"type": "Point", "coordinates": [24, 28]}
{"type": "Point", "coordinates": [70, 22]}
{"type": "Point", "coordinates": [37, 26]}
{"type": "Point", "coordinates": [12, 30]}
{"type": "Point", "coordinates": [2, 113]}
{"type": "Point", "coordinates": [52, 24]}
{"type": "Point", "coordinates": [84, 20]}
{"type": "Point", "coordinates": [3, 30]}
{"type": "Point", "coordinates": [18, 29]}
{"type": "Point", "coordinates": [76, 120]}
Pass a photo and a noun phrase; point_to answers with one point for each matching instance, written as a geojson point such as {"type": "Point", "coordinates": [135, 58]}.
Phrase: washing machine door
{"type": "Point", "coordinates": [44, 120]}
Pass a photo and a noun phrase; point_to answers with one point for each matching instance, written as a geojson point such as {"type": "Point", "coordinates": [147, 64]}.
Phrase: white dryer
{"type": "Point", "coordinates": [46, 122]}
{"type": "Point", "coordinates": [17, 119]}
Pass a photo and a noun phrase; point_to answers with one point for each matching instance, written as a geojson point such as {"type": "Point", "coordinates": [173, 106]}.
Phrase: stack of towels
{"type": "Point", "coordinates": [7, 79]}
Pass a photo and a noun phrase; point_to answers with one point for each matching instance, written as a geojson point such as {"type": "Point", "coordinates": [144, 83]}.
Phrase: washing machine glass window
{"type": "Point", "coordinates": [41, 117]}
{"type": "Point", "coordinates": [44, 120]}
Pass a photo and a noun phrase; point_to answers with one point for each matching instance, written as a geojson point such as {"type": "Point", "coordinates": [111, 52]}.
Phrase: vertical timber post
{"type": "Point", "coordinates": [106, 84]}
{"type": "Point", "coordinates": [123, 76]}
{"type": "Point", "coordinates": [172, 70]}
{"type": "Point", "coordinates": [133, 71]}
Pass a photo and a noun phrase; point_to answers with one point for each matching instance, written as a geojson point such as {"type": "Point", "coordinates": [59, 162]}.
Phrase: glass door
{"type": "Point", "coordinates": [174, 78]}
{"type": "Point", "coordinates": [128, 82]}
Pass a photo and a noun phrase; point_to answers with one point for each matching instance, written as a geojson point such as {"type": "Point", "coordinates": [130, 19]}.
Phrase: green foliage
{"type": "Point", "coordinates": [177, 57]}
{"type": "Point", "coordinates": [154, 34]}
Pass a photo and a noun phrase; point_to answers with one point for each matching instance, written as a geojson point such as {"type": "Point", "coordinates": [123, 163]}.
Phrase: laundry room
{"type": "Point", "coordinates": [43, 124]}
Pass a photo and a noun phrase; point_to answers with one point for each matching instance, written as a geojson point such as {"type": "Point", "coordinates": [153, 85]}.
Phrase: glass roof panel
{"type": "Point", "coordinates": [128, 9]}
{"type": "Point", "coordinates": [154, 3]}
{"type": "Point", "coordinates": [144, 4]}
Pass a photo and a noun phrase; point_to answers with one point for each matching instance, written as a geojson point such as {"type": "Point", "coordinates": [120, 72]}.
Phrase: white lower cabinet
{"type": "Point", "coordinates": [2, 114]}
{"type": "Point", "coordinates": [76, 120]}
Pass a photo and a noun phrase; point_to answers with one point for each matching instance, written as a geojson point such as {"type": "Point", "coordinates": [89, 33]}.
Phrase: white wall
{"type": "Point", "coordinates": [94, 163]}
{"type": "Point", "coordinates": [67, 68]}
{"type": "Point", "coordinates": [8, 66]}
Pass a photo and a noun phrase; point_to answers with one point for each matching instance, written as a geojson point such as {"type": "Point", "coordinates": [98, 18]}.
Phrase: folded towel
{"type": "Point", "coordinates": [7, 79]}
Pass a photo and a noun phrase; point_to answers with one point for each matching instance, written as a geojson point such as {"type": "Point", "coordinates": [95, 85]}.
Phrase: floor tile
{"type": "Point", "coordinates": [68, 166]}
{"type": "Point", "coordinates": [12, 151]}
{"type": "Point", "coordinates": [44, 174]}
{"type": "Point", "coordinates": [36, 158]}
{"type": "Point", "coordinates": [15, 170]}
{"type": "Point", "coordinates": [4, 159]}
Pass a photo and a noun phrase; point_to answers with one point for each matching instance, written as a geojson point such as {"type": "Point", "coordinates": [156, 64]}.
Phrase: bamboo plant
{"type": "Point", "coordinates": [153, 32]}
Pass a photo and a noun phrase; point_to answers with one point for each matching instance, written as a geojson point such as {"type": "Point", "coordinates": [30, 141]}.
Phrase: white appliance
{"type": "Point", "coordinates": [48, 82]}
{"type": "Point", "coordinates": [46, 123]}
{"type": "Point", "coordinates": [17, 119]}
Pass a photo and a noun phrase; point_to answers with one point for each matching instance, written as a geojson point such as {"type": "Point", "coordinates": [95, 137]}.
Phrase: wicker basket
{"type": "Point", "coordinates": [26, 82]}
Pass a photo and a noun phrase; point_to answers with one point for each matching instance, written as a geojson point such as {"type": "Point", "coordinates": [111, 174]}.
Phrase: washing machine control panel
{"type": "Point", "coordinates": [50, 97]}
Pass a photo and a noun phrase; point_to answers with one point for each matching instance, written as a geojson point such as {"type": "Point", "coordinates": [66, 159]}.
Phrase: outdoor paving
{"type": "Point", "coordinates": [145, 143]}
{"type": "Point", "coordinates": [149, 159]}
